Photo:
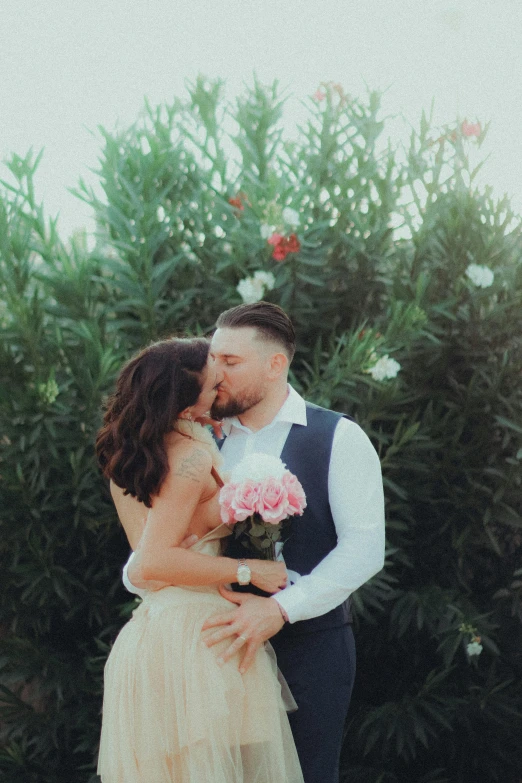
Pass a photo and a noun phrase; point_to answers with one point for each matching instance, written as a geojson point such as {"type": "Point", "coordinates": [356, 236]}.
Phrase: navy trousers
{"type": "Point", "coordinates": [320, 669]}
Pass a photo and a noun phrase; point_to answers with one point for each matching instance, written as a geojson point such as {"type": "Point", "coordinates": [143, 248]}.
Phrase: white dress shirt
{"type": "Point", "coordinates": [356, 498]}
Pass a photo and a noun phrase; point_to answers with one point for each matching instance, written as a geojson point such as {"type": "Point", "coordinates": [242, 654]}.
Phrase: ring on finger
{"type": "Point", "coordinates": [240, 636]}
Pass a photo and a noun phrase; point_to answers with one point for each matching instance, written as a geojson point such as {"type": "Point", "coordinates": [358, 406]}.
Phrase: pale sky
{"type": "Point", "coordinates": [67, 66]}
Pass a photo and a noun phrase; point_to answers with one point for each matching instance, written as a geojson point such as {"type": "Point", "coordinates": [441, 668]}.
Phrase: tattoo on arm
{"type": "Point", "coordinates": [192, 467]}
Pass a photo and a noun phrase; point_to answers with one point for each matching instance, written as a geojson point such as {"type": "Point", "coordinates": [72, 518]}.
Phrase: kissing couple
{"type": "Point", "coordinates": [191, 692]}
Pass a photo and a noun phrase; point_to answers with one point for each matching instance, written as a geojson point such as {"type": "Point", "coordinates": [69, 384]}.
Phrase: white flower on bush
{"type": "Point", "coordinates": [473, 648]}
{"type": "Point", "coordinates": [291, 217]}
{"type": "Point", "coordinates": [267, 278]}
{"type": "Point", "coordinates": [266, 231]}
{"type": "Point", "coordinates": [252, 289]}
{"type": "Point", "coordinates": [145, 145]}
{"type": "Point", "coordinates": [160, 214]}
{"type": "Point", "coordinates": [257, 467]}
{"type": "Point", "coordinates": [481, 276]}
{"type": "Point", "coordinates": [384, 369]}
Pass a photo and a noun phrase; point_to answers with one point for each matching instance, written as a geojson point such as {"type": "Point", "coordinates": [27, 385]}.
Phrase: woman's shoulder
{"type": "Point", "coordinates": [183, 450]}
{"type": "Point", "coordinates": [194, 433]}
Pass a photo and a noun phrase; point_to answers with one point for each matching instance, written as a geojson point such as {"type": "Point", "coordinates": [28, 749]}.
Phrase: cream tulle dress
{"type": "Point", "coordinates": [172, 715]}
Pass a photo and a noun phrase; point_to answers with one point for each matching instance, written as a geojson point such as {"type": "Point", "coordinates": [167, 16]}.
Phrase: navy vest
{"type": "Point", "coordinates": [306, 453]}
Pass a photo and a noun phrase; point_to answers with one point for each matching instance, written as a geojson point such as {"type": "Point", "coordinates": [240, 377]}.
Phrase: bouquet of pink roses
{"type": "Point", "coordinates": [259, 500]}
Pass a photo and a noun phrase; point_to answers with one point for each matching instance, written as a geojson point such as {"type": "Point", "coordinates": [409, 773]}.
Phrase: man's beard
{"type": "Point", "coordinates": [235, 406]}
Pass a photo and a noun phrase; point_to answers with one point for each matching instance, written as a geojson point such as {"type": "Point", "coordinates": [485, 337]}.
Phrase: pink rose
{"type": "Point", "coordinates": [226, 496]}
{"type": "Point", "coordinates": [273, 500]}
{"type": "Point", "coordinates": [245, 500]}
{"type": "Point", "coordinates": [296, 494]}
{"type": "Point", "coordinates": [275, 239]}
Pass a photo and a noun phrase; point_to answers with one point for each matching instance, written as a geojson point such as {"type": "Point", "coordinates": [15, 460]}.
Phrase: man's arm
{"type": "Point", "coordinates": [356, 498]}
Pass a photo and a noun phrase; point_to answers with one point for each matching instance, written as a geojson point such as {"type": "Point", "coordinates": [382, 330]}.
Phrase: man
{"type": "Point", "coordinates": [336, 546]}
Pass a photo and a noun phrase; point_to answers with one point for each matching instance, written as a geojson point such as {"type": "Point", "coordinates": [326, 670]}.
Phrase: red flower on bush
{"type": "Point", "coordinates": [238, 200]}
{"type": "Point", "coordinates": [283, 246]}
{"type": "Point", "coordinates": [293, 244]}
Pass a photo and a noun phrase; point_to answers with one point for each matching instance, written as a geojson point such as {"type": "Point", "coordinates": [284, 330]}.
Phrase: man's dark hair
{"type": "Point", "coordinates": [270, 320]}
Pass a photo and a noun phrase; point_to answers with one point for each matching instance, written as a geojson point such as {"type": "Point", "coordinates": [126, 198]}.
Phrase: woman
{"type": "Point", "coordinates": [170, 713]}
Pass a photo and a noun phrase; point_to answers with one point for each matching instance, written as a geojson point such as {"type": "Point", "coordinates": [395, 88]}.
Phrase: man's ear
{"type": "Point", "coordinates": [278, 364]}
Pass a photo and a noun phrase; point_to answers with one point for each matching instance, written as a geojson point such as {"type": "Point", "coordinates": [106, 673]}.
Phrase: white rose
{"type": "Point", "coordinates": [266, 278]}
{"type": "Point", "coordinates": [258, 467]}
{"type": "Point", "coordinates": [384, 369]}
{"type": "Point", "coordinates": [160, 214]}
{"type": "Point", "coordinates": [473, 648]}
{"type": "Point", "coordinates": [481, 276]}
{"type": "Point", "coordinates": [250, 290]}
{"type": "Point", "coordinates": [291, 217]}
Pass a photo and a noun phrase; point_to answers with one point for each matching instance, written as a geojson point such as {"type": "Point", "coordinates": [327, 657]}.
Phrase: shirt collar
{"type": "Point", "coordinates": [292, 411]}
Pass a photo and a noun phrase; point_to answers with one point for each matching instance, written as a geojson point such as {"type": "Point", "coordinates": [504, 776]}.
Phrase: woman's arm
{"type": "Point", "coordinates": [160, 556]}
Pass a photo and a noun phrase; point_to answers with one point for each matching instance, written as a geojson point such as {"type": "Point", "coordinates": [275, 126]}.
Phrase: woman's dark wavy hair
{"type": "Point", "coordinates": [153, 388]}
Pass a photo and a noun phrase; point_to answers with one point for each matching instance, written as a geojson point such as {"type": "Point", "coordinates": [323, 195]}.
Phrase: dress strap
{"type": "Point", "coordinates": [217, 478]}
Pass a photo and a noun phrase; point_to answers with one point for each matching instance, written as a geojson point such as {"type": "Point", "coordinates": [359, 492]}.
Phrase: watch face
{"type": "Point", "coordinates": [243, 574]}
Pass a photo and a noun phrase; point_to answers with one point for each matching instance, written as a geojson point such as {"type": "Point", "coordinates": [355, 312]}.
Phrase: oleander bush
{"type": "Point", "coordinates": [404, 280]}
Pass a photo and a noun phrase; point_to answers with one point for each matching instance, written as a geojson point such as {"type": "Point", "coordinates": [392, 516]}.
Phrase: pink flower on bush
{"type": "Point", "coordinates": [471, 128]}
{"type": "Point", "coordinates": [275, 239]}
{"type": "Point", "coordinates": [319, 95]}
{"type": "Point", "coordinates": [295, 494]}
{"type": "Point", "coordinates": [273, 500]}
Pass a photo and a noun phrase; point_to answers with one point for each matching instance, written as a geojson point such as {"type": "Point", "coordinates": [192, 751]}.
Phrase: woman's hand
{"type": "Point", "coordinates": [268, 575]}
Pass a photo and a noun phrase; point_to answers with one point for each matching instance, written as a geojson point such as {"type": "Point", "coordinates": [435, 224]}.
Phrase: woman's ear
{"type": "Point", "coordinates": [186, 414]}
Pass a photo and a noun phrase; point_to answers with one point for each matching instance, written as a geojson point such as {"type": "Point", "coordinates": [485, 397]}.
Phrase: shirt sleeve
{"type": "Point", "coordinates": [357, 504]}
{"type": "Point", "coordinates": [126, 581]}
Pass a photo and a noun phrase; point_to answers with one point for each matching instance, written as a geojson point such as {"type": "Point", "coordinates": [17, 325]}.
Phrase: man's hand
{"type": "Point", "coordinates": [254, 621]}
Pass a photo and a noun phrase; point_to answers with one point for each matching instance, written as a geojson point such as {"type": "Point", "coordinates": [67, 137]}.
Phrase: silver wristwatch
{"type": "Point", "coordinates": [243, 573]}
